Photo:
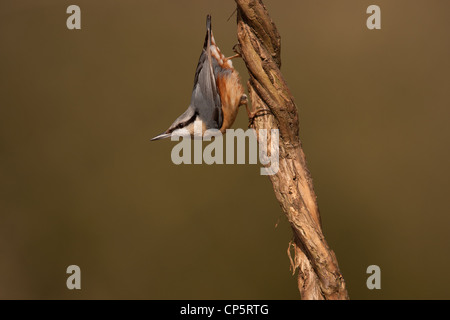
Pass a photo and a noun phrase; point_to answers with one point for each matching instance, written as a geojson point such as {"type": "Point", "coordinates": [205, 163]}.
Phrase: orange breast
{"type": "Point", "coordinates": [229, 87]}
{"type": "Point", "coordinates": [230, 91]}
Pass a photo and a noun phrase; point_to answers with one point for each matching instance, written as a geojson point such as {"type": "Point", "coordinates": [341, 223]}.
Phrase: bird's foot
{"type": "Point", "coordinates": [233, 57]}
{"type": "Point", "coordinates": [237, 49]}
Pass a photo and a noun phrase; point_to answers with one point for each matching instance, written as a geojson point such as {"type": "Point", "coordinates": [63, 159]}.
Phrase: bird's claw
{"type": "Point", "coordinates": [237, 49]}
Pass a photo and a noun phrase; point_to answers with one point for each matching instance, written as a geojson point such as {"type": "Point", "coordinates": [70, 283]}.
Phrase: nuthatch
{"type": "Point", "coordinates": [217, 92]}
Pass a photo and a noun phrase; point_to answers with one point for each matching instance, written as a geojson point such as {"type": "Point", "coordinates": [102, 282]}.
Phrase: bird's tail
{"type": "Point", "coordinates": [208, 22]}
{"type": "Point", "coordinates": [208, 32]}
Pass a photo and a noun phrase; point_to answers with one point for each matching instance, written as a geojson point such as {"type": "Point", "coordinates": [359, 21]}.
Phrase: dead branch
{"type": "Point", "coordinates": [273, 107]}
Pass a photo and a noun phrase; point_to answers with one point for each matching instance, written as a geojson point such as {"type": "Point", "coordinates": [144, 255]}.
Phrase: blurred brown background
{"type": "Point", "coordinates": [81, 183]}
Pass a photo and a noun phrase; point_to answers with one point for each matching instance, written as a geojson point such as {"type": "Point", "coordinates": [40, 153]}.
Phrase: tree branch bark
{"type": "Point", "coordinates": [318, 274]}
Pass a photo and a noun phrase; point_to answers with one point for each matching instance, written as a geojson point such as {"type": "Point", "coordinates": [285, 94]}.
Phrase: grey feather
{"type": "Point", "coordinates": [205, 99]}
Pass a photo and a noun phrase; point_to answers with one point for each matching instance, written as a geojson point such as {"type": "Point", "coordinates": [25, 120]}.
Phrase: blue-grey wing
{"type": "Point", "coordinates": [205, 99]}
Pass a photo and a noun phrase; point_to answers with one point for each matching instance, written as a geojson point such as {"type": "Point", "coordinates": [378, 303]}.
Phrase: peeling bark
{"type": "Point", "coordinates": [273, 107]}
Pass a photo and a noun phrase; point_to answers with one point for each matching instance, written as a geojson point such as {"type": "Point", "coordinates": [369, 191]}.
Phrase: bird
{"type": "Point", "coordinates": [217, 93]}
